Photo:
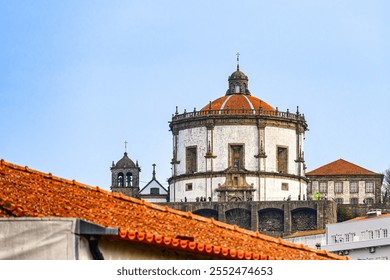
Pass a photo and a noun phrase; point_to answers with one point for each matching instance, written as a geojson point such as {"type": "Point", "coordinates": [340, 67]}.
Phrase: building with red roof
{"type": "Point", "coordinates": [102, 224]}
{"type": "Point", "coordinates": [346, 183]}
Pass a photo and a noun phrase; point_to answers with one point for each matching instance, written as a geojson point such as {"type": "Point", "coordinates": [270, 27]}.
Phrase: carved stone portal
{"type": "Point", "coordinates": [235, 188]}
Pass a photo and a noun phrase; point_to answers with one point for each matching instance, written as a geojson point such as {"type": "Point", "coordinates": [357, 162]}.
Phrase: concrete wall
{"type": "Point", "coordinates": [309, 240]}
{"type": "Point", "coordinates": [367, 238]}
{"type": "Point", "coordinates": [41, 239]}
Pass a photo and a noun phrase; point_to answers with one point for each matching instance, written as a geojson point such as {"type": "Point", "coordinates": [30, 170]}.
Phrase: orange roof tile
{"type": "Point", "coordinates": [306, 233]}
{"type": "Point", "coordinates": [238, 102]}
{"type": "Point", "coordinates": [27, 192]}
{"type": "Point", "coordinates": [360, 218]}
{"type": "Point", "coordinates": [340, 167]}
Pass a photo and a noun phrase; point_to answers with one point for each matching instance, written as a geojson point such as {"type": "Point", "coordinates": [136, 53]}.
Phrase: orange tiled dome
{"type": "Point", "coordinates": [238, 101]}
{"type": "Point", "coordinates": [238, 96]}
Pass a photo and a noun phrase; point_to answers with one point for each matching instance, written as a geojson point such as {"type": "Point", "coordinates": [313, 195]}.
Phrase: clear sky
{"type": "Point", "coordinates": [79, 78]}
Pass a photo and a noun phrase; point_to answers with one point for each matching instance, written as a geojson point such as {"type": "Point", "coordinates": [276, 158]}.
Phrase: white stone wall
{"type": "Point", "coordinates": [187, 138]}
{"type": "Point", "coordinates": [246, 135]}
{"type": "Point", "coordinates": [153, 184]}
{"type": "Point", "coordinates": [280, 137]}
{"type": "Point", "coordinates": [272, 190]}
{"type": "Point", "coordinates": [225, 135]}
{"type": "Point", "coordinates": [201, 187]}
{"type": "Point", "coordinates": [309, 240]}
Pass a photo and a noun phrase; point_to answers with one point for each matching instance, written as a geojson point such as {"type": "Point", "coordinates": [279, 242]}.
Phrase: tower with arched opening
{"type": "Point", "coordinates": [125, 176]}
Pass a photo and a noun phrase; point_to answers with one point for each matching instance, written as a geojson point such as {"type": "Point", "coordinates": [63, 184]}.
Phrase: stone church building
{"type": "Point", "coordinates": [240, 160]}
{"type": "Point", "coordinates": [125, 178]}
{"type": "Point", "coordinates": [237, 148]}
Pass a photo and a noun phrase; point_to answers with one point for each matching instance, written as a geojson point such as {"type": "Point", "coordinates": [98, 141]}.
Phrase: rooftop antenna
{"type": "Point", "coordinates": [238, 61]}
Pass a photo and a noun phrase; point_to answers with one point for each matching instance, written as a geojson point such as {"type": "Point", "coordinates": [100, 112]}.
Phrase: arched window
{"type": "Point", "coordinates": [129, 179]}
{"type": "Point", "coordinates": [237, 88]}
{"type": "Point", "coordinates": [120, 179]}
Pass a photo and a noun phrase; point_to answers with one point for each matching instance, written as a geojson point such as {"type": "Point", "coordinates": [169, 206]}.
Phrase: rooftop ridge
{"type": "Point", "coordinates": [46, 175]}
{"type": "Point", "coordinates": [340, 167]}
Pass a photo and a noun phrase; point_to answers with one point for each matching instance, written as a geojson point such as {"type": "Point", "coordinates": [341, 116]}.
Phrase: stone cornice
{"type": "Point", "coordinates": [347, 177]}
{"type": "Point", "coordinates": [214, 174]}
{"type": "Point", "coordinates": [259, 118]}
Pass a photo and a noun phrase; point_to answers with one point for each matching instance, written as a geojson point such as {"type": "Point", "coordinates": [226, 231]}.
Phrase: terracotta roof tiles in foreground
{"type": "Point", "coordinates": [28, 193]}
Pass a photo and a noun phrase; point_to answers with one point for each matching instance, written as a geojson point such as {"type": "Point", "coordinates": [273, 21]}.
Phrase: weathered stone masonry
{"type": "Point", "coordinates": [276, 218]}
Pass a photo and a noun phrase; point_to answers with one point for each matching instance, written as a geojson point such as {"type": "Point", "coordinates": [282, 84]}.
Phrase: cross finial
{"type": "Point", "coordinates": [154, 170]}
{"type": "Point", "coordinates": [238, 61]}
{"type": "Point", "coordinates": [126, 146]}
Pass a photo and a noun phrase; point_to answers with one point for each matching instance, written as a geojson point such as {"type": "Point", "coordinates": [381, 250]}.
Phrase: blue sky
{"type": "Point", "coordinates": [78, 78]}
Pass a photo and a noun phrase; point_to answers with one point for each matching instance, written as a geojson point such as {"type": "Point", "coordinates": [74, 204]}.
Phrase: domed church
{"type": "Point", "coordinates": [237, 148]}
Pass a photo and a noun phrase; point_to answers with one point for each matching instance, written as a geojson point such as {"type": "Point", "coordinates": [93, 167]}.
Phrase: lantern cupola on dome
{"type": "Point", "coordinates": [238, 81]}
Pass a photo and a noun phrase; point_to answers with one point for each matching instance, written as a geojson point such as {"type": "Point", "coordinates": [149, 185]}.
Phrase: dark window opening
{"type": "Point", "coordinates": [129, 179]}
{"type": "Point", "coordinates": [191, 159]}
{"type": "Point", "coordinates": [120, 180]}
{"type": "Point", "coordinates": [237, 156]}
{"type": "Point", "coordinates": [282, 159]}
{"type": "Point", "coordinates": [189, 187]}
{"type": "Point", "coordinates": [154, 191]}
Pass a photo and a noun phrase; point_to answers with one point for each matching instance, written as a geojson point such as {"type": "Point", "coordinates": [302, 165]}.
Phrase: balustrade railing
{"type": "Point", "coordinates": [232, 112]}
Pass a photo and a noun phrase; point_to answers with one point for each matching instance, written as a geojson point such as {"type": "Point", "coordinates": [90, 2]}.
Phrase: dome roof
{"type": "Point", "coordinates": [238, 75]}
{"type": "Point", "coordinates": [125, 162]}
{"type": "Point", "coordinates": [238, 101]}
{"type": "Point", "coordinates": [238, 97]}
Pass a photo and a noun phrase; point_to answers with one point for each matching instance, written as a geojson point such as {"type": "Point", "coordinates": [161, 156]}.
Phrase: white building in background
{"type": "Point", "coordinates": [312, 238]}
{"type": "Point", "coordinates": [153, 191]}
{"type": "Point", "coordinates": [361, 238]}
{"type": "Point", "coordinates": [237, 148]}
{"type": "Point", "coordinates": [345, 183]}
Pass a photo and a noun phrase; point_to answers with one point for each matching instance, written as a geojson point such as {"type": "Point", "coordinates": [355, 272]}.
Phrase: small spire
{"type": "Point", "coordinates": [154, 171]}
{"type": "Point", "coordinates": [125, 146]}
{"type": "Point", "coordinates": [238, 61]}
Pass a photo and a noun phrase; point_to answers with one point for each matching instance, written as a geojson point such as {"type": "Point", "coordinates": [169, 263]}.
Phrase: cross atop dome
{"type": "Point", "coordinates": [238, 81]}
{"type": "Point", "coordinates": [238, 61]}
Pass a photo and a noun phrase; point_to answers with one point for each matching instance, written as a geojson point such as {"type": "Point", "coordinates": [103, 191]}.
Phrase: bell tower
{"type": "Point", "coordinates": [125, 176]}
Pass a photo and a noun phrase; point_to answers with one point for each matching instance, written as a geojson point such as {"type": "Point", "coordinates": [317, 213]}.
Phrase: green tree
{"type": "Point", "coordinates": [386, 186]}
